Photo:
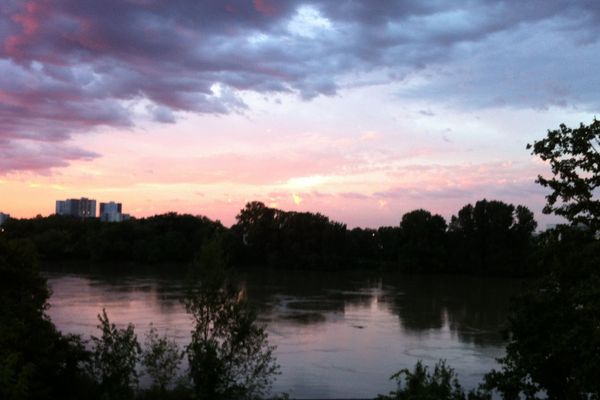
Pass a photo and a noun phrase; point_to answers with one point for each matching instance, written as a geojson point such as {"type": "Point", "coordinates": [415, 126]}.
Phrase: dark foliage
{"type": "Point", "coordinates": [420, 384]}
{"type": "Point", "coordinates": [295, 240]}
{"type": "Point", "coordinates": [161, 359]}
{"type": "Point", "coordinates": [423, 242]}
{"type": "Point", "coordinates": [169, 238]}
{"type": "Point", "coordinates": [229, 356]}
{"type": "Point", "coordinates": [574, 157]}
{"type": "Point", "coordinates": [554, 328]}
{"type": "Point", "coordinates": [492, 237]}
{"type": "Point", "coordinates": [114, 358]}
{"type": "Point", "coordinates": [36, 361]}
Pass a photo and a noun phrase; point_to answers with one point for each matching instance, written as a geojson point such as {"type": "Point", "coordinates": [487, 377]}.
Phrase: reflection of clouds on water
{"type": "Point", "coordinates": [77, 300]}
{"type": "Point", "coordinates": [337, 335]}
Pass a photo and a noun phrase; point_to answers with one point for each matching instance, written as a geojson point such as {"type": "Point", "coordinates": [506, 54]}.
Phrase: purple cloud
{"type": "Point", "coordinates": [70, 66]}
{"type": "Point", "coordinates": [40, 157]}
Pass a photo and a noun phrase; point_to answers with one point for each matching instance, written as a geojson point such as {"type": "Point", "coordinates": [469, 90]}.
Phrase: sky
{"type": "Point", "coordinates": [360, 110]}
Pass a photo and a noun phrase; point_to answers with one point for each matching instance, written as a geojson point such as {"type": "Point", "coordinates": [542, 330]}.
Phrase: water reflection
{"type": "Point", "coordinates": [473, 308]}
{"type": "Point", "coordinates": [338, 335]}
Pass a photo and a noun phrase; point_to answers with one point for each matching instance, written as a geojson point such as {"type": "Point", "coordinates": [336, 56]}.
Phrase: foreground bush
{"type": "Point", "coordinates": [229, 355]}
{"type": "Point", "coordinates": [420, 384]}
{"type": "Point", "coordinates": [36, 361]}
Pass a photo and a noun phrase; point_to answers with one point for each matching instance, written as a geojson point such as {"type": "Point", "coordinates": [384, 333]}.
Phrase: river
{"type": "Point", "coordinates": [338, 334]}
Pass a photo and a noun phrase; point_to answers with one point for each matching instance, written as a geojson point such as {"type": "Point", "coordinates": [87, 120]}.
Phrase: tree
{"type": "Point", "coordinates": [289, 239]}
{"type": "Point", "coordinates": [229, 355]}
{"type": "Point", "coordinates": [492, 236]}
{"type": "Point", "coordinates": [420, 384]}
{"type": "Point", "coordinates": [36, 361]}
{"type": "Point", "coordinates": [161, 358]}
{"type": "Point", "coordinates": [114, 358]}
{"type": "Point", "coordinates": [307, 240]}
{"type": "Point", "coordinates": [573, 155]}
{"type": "Point", "coordinates": [256, 229]}
{"type": "Point", "coordinates": [422, 238]}
{"type": "Point", "coordinates": [554, 328]}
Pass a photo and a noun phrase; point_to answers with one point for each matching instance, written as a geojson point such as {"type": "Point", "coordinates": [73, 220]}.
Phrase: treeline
{"type": "Point", "coordinates": [161, 239]}
{"type": "Point", "coordinates": [489, 237]}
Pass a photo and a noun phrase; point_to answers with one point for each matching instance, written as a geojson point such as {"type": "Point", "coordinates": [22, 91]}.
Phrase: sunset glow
{"type": "Point", "coordinates": [301, 105]}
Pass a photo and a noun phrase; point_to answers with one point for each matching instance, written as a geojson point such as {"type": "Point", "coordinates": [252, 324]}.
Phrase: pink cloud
{"type": "Point", "coordinates": [88, 36]}
{"type": "Point", "coordinates": [29, 20]}
{"type": "Point", "coordinates": [31, 156]}
{"type": "Point", "coordinates": [265, 7]}
{"type": "Point", "coordinates": [249, 169]}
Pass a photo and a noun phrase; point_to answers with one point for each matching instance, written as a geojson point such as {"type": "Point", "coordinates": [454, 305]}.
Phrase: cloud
{"type": "Point", "coordinates": [33, 156]}
{"type": "Point", "coordinates": [512, 182]}
{"type": "Point", "coordinates": [68, 67]}
{"type": "Point", "coordinates": [528, 67]}
{"type": "Point", "coordinates": [294, 169]}
{"type": "Point", "coordinates": [162, 114]}
{"type": "Point", "coordinates": [353, 196]}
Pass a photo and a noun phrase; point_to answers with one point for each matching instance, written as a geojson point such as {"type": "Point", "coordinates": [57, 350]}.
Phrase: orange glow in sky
{"type": "Point", "coordinates": [361, 113]}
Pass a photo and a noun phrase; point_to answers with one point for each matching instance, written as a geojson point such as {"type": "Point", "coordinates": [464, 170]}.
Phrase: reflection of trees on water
{"type": "Point", "coordinates": [472, 308]}
{"type": "Point", "coordinates": [308, 297]}
{"type": "Point", "coordinates": [475, 309]}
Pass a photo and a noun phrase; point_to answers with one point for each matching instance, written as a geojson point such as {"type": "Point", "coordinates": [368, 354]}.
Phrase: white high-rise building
{"type": "Point", "coordinates": [83, 207]}
{"type": "Point", "coordinates": [111, 212]}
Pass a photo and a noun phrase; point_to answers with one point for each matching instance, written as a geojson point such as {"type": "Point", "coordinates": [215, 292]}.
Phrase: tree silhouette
{"type": "Point", "coordinates": [422, 241]}
{"type": "Point", "coordinates": [554, 327]}
{"type": "Point", "coordinates": [492, 236]}
{"type": "Point", "coordinates": [114, 357]}
{"type": "Point", "coordinates": [574, 157]}
{"type": "Point", "coordinates": [36, 361]}
{"type": "Point", "coordinates": [229, 355]}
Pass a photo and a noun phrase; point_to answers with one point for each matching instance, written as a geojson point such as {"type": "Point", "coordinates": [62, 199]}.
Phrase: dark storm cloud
{"type": "Point", "coordinates": [69, 66]}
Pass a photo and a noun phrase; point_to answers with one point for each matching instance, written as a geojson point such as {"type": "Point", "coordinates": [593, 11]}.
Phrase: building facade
{"type": "Point", "coordinates": [82, 208]}
{"type": "Point", "coordinates": [3, 218]}
{"type": "Point", "coordinates": [111, 212]}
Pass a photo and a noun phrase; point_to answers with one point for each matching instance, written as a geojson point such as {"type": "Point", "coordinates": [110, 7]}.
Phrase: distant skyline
{"type": "Point", "coordinates": [362, 111]}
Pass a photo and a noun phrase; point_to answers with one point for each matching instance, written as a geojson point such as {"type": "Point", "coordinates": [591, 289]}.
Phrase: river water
{"type": "Point", "coordinates": [338, 334]}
